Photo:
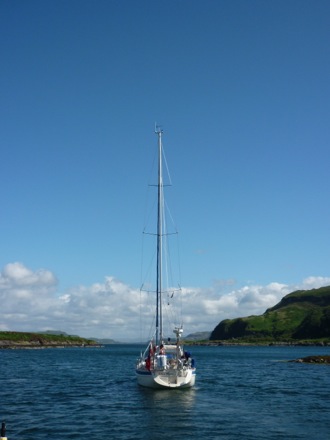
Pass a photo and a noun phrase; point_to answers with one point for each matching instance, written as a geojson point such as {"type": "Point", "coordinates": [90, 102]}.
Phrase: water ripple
{"type": "Point", "coordinates": [241, 392]}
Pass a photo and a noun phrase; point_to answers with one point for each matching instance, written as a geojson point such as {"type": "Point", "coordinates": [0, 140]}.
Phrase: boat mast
{"type": "Point", "coordinates": [159, 317]}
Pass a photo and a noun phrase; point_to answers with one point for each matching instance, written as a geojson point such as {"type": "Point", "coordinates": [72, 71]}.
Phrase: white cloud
{"type": "Point", "coordinates": [315, 282]}
{"type": "Point", "coordinates": [16, 274]}
{"type": "Point", "coordinates": [31, 302]}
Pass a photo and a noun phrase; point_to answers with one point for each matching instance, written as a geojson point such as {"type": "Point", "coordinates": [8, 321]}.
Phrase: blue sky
{"type": "Point", "coordinates": [242, 91]}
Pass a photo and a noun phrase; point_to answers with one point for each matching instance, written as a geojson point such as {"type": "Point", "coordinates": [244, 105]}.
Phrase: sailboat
{"type": "Point", "coordinates": [163, 364]}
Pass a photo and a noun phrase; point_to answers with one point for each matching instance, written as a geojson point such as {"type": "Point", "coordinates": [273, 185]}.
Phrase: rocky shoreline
{"type": "Point", "coordinates": [322, 359]}
{"type": "Point", "coordinates": [258, 343]}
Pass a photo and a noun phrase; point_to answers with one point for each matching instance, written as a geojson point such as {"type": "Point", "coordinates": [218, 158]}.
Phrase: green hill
{"type": "Point", "coordinates": [304, 314]}
{"type": "Point", "coordinates": [42, 340]}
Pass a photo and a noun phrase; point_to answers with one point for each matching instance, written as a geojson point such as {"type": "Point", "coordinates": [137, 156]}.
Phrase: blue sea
{"type": "Point", "coordinates": [241, 393]}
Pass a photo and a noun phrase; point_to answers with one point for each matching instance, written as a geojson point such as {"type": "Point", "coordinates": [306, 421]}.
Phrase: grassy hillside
{"type": "Point", "coordinates": [39, 340]}
{"type": "Point", "coordinates": [299, 315]}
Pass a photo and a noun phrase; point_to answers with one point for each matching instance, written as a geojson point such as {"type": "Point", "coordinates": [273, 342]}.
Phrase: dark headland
{"type": "Point", "coordinates": [301, 318]}
{"type": "Point", "coordinates": [303, 315]}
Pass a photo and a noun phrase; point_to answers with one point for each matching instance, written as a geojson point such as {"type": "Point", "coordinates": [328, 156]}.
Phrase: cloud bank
{"type": "Point", "coordinates": [30, 301]}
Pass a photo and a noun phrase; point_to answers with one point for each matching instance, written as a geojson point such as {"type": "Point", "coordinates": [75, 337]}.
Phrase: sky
{"type": "Point", "coordinates": [241, 89]}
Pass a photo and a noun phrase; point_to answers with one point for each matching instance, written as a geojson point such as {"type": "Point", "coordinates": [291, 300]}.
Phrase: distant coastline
{"type": "Point", "coordinates": [24, 340]}
{"type": "Point", "coordinates": [33, 340]}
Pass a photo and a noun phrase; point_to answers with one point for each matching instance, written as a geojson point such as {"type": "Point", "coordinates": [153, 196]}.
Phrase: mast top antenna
{"type": "Point", "coordinates": [158, 128]}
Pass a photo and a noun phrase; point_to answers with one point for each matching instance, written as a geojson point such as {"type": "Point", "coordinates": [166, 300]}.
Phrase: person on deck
{"type": "Point", "coordinates": [148, 363]}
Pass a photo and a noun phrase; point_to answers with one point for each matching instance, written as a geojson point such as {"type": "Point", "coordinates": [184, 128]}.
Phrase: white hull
{"type": "Point", "coordinates": [166, 379]}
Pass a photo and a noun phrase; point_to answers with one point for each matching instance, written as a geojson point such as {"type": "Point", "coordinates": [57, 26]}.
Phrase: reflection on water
{"type": "Point", "coordinates": [164, 399]}
{"type": "Point", "coordinates": [168, 409]}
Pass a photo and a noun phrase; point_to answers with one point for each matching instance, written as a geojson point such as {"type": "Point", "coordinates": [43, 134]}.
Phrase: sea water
{"type": "Point", "coordinates": [240, 393]}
